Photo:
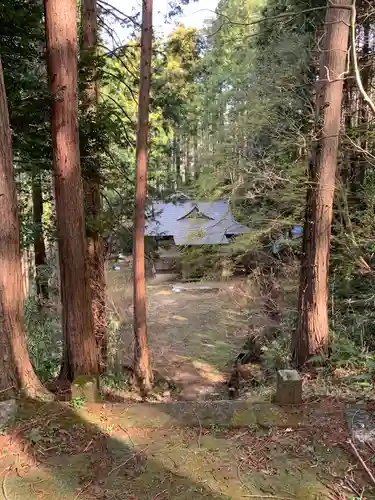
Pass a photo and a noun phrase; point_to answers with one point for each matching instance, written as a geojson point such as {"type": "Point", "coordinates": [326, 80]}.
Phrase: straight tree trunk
{"type": "Point", "coordinates": [177, 152]}
{"type": "Point", "coordinates": [81, 356]}
{"type": "Point", "coordinates": [142, 366]}
{"type": "Point", "coordinates": [311, 336]}
{"type": "Point", "coordinates": [364, 114]}
{"type": "Point", "coordinates": [16, 371]}
{"type": "Point", "coordinates": [40, 258]}
{"type": "Point", "coordinates": [93, 202]}
{"type": "Point", "coordinates": [196, 155]}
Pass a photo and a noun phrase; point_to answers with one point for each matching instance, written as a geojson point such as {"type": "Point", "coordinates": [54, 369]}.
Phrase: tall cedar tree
{"type": "Point", "coordinates": [93, 205]}
{"type": "Point", "coordinates": [311, 336]}
{"type": "Point", "coordinates": [40, 258]}
{"type": "Point", "coordinates": [16, 369]}
{"type": "Point", "coordinates": [142, 367]}
{"type": "Point", "coordinates": [80, 351]}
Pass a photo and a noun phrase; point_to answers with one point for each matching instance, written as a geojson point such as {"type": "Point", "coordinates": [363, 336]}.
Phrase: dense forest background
{"type": "Point", "coordinates": [234, 114]}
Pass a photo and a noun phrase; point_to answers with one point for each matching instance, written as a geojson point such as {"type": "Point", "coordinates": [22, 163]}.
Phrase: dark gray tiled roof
{"type": "Point", "coordinates": [181, 221]}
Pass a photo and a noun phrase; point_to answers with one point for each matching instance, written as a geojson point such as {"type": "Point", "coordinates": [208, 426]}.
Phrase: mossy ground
{"type": "Point", "coordinates": [101, 452]}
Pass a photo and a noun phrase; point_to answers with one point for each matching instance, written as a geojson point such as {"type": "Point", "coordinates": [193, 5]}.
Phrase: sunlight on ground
{"type": "Point", "coordinates": [151, 451]}
{"type": "Point", "coordinates": [194, 335]}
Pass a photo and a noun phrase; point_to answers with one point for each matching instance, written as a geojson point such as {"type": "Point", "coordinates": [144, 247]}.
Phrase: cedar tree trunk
{"type": "Point", "coordinates": [80, 349]}
{"type": "Point", "coordinates": [142, 367]}
{"type": "Point", "coordinates": [40, 258]}
{"type": "Point", "coordinates": [311, 336]}
{"type": "Point", "coordinates": [16, 370]}
{"type": "Point", "coordinates": [93, 202]}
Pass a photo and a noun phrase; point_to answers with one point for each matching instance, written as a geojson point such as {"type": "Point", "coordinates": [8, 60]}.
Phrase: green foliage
{"type": "Point", "coordinates": [199, 261]}
{"type": "Point", "coordinates": [114, 380]}
{"type": "Point", "coordinates": [276, 355]}
{"type": "Point", "coordinates": [43, 332]}
{"type": "Point", "coordinates": [77, 402]}
{"type": "Point", "coordinates": [35, 435]}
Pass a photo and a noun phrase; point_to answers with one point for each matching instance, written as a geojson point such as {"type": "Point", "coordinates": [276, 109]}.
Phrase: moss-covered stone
{"type": "Point", "coordinates": [244, 417]}
{"type": "Point", "coordinates": [87, 387]}
{"type": "Point", "coordinates": [289, 388]}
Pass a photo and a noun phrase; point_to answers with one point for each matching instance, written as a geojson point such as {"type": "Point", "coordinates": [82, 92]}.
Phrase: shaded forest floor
{"type": "Point", "coordinates": [179, 451]}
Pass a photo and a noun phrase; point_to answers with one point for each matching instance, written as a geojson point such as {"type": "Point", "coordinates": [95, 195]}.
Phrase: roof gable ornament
{"type": "Point", "coordinates": [195, 213]}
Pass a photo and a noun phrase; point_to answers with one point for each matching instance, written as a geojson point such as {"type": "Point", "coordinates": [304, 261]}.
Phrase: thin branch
{"type": "Point", "coordinates": [111, 7]}
{"type": "Point", "coordinates": [122, 464]}
{"type": "Point", "coordinates": [122, 109]}
{"type": "Point", "coordinates": [110, 32]}
{"type": "Point", "coordinates": [118, 78]}
{"type": "Point", "coordinates": [115, 164]}
{"type": "Point", "coordinates": [282, 15]}
{"type": "Point", "coordinates": [3, 487]}
{"type": "Point", "coordinates": [362, 462]}
{"type": "Point", "coordinates": [357, 73]}
{"type": "Point", "coordinates": [120, 47]}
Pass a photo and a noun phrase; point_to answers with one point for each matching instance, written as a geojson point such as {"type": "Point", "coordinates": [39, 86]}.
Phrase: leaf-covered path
{"type": "Point", "coordinates": [195, 330]}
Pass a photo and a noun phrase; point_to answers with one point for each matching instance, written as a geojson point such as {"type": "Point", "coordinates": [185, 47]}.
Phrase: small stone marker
{"type": "Point", "coordinates": [289, 388]}
{"type": "Point", "coordinates": [86, 387]}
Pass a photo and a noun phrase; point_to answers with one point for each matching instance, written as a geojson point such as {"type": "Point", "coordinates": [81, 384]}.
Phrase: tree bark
{"type": "Point", "coordinates": [311, 336]}
{"type": "Point", "coordinates": [177, 152]}
{"type": "Point", "coordinates": [40, 258]}
{"type": "Point", "coordinates": [92, 196]}
{"type": "Point", "coordinates": [16, 371]}
{"type": "Point", "coordinates": [80, 346]}
{"type": "Point", "coordinates": [142, 367]}
{"type": "Point", "coordinates": [196, 156]}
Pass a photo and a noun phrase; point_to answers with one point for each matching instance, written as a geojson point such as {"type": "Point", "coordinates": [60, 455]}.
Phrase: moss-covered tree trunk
{"type": "Point", "coordinates": [311, 336]}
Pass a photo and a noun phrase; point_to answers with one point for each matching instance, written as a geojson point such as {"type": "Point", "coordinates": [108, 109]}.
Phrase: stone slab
{"type": "Point", "coordinates": [203, 413]}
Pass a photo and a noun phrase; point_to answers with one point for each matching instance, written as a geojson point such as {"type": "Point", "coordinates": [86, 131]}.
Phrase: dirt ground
{"type": "Point", "coordinates": [195, 331]}
{"type": "Point", "coordinates": [149, 452]}
{"type": "Point", "coordinates": [197, 447]}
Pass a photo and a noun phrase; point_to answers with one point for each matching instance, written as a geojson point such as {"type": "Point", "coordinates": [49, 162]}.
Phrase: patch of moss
{"type": "Point", "coordinates": [82, 380]}
{"type": "Point", "coordinates": [311, 492]}
{"type": "Point", "coordinates": [242, 418]}
{"type": "Point", "coordinates": [268, 416]}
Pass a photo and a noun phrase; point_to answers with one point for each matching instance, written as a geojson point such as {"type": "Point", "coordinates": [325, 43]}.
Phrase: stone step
{"type": "Point", "coordinates": [205, 414]}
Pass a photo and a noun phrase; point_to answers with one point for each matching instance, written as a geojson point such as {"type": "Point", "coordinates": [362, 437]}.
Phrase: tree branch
{"type": "Point", "coordinates": [112, 8]}
{"type": "Point", "coordinates": [282, 15]}
{"type": "Point", "coordinates": [357, 73]}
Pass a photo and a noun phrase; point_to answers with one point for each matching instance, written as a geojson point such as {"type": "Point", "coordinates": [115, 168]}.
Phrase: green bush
{"type": "Point", "coordinates": [44, 340]}
{"type": "Point", "coordinates": [276, 355]}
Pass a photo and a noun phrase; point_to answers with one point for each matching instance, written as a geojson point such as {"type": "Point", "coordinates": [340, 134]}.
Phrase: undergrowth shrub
{"type": "Point", "coordinates": [276, 355]}
{"type": "Point", "coordinates": [199, 261]}
{"type": "Point", "coordinates": [119, 352]}
{"type": "Point", "coordinates": [43, 330]}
